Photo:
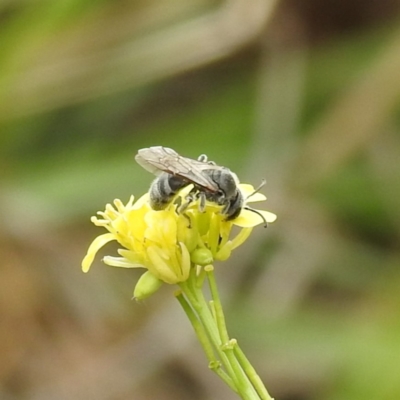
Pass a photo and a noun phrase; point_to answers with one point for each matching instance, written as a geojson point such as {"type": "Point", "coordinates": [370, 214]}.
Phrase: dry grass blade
{"type": "Point", "coordinates": [356, 118]}
{"type": "Point", "coordinates": [160, 54]}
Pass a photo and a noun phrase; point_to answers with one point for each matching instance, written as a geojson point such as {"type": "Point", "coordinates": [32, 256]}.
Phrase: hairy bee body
{"type": "Point", "coordinates": [228, 194]}
{"type": "Point", "coordinates": [210, 182]}
{"type": "Point", "coordinates": [164, 189]}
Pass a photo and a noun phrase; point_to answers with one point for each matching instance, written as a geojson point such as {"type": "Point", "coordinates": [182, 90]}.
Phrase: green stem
{"type": "Point", "coordinates": [196, 300]}
{"type": "Point", "coordinates": [219, 313]}
{"type": "Point", "coordinates": [244, 387]}
{"type": "Point", "coordinates": [245, 384]}
{"type": "Point", "coordinates": [251, 373]}
{"type": "Point", "coordinates": [213, 363]}
{"type": "Point", "coordinates": [224, 355]}
{"type": "Point", "coordinates": [198, 328]}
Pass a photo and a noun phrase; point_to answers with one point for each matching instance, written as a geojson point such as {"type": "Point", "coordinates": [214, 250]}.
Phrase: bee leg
{"type": "Point", "coordinates": [178, 203]}
{"type": "Point", "coordinates": [189, 199]}
{"type": "Point", "coordinates": [225, 210]}
{"type": "Point", "coordinates": [180, 208]}
{"type": "Point", "coordinates": [202, 202]}
{"type": "Point", "coordinates": [204, 158]}
{"type": "Point", "coordinates": [189, 221]}
{"type": "Point", "coordinates": [183, 206]}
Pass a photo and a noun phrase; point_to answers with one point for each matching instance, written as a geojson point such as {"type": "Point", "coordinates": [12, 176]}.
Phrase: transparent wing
{"type": "Point", "coordinates": [160, 159]}
{"type": "Point", "coordinates": [151, 159]}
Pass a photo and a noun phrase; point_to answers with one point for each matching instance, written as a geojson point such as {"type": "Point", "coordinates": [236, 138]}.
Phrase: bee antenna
{"type": "Point", "coordinates": [258, 213]}
{"type": "Point", "coordinates": [257, 189]}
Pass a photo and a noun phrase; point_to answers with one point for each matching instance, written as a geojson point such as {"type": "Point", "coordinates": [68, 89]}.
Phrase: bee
{"type": "Point", "coordinates": [211, 182]}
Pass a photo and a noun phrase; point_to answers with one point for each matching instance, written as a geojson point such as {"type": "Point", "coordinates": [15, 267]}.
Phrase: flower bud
{"type": "Point", "coordinates": [202, 256]}
{"type": "Point", "coordinates": [147, 285]}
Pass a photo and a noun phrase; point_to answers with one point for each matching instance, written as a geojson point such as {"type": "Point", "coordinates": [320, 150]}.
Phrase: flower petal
{"type": "Point", "coordinates": [120, 262]}
{"type": "Point", "coordinates": [185, 262]}
{"type": "Point", "coordinates": [248, 218]}
{"type": "Point", "coordinates": [141, 201]}
{"type": "Point", "coordinates": [159, 267]}
{"type": "Point", "coordinates": [130, 255]}
{"type": "Point", "coordinates": [256, 197]}
{"type": "Point", "coordinates": [248, 192]}
{"type": "Point", "coordinates": [225, 252]}
{"type": "Point", "coordinates": [96, 245]}
{"type": "Point", "coordinates": [241, 237]}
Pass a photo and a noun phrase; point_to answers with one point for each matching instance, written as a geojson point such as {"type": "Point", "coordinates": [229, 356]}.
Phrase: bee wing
{"type": "Point", "coordinates": [151, 159]}
{"type": "Point", "coordinates": [160, 159]}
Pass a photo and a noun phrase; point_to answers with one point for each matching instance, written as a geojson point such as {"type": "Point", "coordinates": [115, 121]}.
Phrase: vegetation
{"type": "Point", "coordinates": [300, 94]}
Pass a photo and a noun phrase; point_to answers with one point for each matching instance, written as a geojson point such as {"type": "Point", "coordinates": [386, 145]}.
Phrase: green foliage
{"type": "Point", "coordinates": [67, 147]}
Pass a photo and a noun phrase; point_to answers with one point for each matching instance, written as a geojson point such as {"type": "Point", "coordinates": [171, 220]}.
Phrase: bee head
{"type": "Point", "coordinates": [228, 184]}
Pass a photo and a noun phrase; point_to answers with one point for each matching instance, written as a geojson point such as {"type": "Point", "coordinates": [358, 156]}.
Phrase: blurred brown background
{"type": "Point", "coordinates": [303, 93]}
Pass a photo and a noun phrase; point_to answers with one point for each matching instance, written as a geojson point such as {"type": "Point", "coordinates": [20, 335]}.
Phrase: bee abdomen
{"type": "Point", "coordinates": [164, 189]}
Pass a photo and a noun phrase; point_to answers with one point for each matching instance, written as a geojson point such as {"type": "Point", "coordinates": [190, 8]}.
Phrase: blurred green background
{"type": "Point", "coordinates": [305, 94]}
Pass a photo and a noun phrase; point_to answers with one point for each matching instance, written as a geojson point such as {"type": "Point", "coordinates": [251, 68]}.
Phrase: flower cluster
{"type": "Point", "coordinates": [167, 243]}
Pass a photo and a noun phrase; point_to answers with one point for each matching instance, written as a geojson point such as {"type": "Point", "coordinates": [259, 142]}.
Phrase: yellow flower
{"type": "Point", "coordinates": [167, 243]}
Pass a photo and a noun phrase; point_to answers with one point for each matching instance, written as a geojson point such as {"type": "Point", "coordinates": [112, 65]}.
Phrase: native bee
{"type": "Point", "coordinates": [211, 182]}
